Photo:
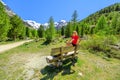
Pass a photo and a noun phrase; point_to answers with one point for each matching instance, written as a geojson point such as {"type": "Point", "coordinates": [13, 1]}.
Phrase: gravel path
{"type": "Point", "coordinates": [12, 45]}
{"type": "Point", "coordinates": [31, 63]}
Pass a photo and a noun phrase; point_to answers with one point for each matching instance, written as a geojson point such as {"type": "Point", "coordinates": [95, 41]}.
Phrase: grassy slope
{"type": "Point", "coordinates": [91, 66]}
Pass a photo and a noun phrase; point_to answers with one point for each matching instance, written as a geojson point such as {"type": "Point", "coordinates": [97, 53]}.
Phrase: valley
{"type": "Point", "coordinates": [25, 44]}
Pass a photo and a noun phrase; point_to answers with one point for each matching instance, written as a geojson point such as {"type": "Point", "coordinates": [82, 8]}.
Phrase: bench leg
{"type": "Point", "coordinates": [58, 63]}
{"type": "Point", "coordinates": [74, 60]}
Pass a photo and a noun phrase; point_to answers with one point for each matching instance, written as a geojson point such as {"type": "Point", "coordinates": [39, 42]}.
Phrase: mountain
{"type": "Point", "coordinates": [33, 24]}
{"type": "Point", "coordinates": [58, 25]}
{"type": "Point", "coordinates": [108, 12]}
{"type": "Point", "coordinates": [61, 24]}
{"type": "Point", "coordinates": [36, 25]}
{"type": "Point", "coordinates": [8, 9]}
{"type": "Point", "coordinates": [28, 23]}
{"type": "Point", "coordinates": [11, 13]}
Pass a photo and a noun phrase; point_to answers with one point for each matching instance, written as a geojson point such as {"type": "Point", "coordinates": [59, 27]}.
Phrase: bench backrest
{"type": "Point", "coordinates": [55, 51]}
{"type": "Point", "coordinates": [68, 49]}
{"type": "Point", "coordinates": [62, 50]}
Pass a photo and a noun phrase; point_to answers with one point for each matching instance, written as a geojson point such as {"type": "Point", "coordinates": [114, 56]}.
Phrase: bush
{"type": "Point", "coordinates": [100, 44]}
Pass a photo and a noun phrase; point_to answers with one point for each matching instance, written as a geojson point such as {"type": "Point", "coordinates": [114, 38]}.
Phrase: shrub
{"type": "Point", "coordinates": [100, 44]}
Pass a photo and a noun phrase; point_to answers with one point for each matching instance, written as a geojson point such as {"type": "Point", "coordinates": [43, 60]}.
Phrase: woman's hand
{"type": "Point", "coordinates": [78, 41]}
{"type": "Point", "coordinates": [68, 43]}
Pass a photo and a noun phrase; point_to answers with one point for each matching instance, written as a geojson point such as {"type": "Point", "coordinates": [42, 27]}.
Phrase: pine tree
{"type": "Point", "coordinates": [41, 32]}
{"type": "Point", "coordinates": [81, 29]}
{"type": "Point", "coordinates": [23, 32]}
{"type": "Point", "coordinates": [78, 30]}
{"type": "Point", "coordinates": [50, 34]}
{"type": "Point", "coordinates": [86, 28]}
{"type": "Point", "coordinates": [34, 33]}
{"type": "Point", "coordinates": [17, 27]}
{"type": "Point", "coordinates": [52, 27]}
{"type": "Point", "coordinates": [74, 20]}
{"type": "Point", "coordinates": [29, 32]}
{"type": "Point", "coordinates": [115, 23]}
{"type": "Point", "coordinates": [91, 30]}
{"type": "Point", "coordinates": [68, 30]}
{"type": "Point", "coordinates": [4, 23]}
{"type": "Point", "coordinates": [118, 28]}
{"type": "Point", "coordinates": [63, 31]}
{"type": "Point", "coordinates": [101, 27]}
{"type": "Point", "coordinates": [117, 7]}
{"type": "Point", "coordinates": [74, 16]}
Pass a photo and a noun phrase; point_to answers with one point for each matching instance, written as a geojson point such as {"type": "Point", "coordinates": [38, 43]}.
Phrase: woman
{"type": "Point", "coordinates": [74, 39]}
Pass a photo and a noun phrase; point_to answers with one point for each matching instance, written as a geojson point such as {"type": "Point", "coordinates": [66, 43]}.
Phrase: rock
{"type": "Point", "coordinates": [80, 74]}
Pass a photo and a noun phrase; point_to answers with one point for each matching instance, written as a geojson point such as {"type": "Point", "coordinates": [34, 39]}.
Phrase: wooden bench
{"type": "Point", "coordinates": [58, 55]}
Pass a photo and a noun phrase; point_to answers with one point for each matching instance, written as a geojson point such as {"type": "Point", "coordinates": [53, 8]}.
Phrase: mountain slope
{"type": "Point", "coordinates": [10, 13]}
{"type": "Point", "coordinates": [108, 12]}
{"type": "Point", "coordinates": [8, 9]}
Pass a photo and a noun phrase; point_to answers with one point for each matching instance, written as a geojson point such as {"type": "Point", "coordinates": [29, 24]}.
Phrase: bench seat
{"type": "Point", "coordinates": [52, 58]}
{"type": "Point", "coordinates": [62, 53]}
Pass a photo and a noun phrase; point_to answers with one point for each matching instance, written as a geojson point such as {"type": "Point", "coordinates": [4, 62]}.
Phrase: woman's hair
{"type": "Point", "coordinates": [75, 32]}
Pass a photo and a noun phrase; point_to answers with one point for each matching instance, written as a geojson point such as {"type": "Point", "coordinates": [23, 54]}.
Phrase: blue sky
{"type": "Point", "coordinates": [41, 10]}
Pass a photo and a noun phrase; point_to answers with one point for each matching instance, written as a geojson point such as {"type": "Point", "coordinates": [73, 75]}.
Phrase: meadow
{"type": "Point", "coordinates": [27, 62]}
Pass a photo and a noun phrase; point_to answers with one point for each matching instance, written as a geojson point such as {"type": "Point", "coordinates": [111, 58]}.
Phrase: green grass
{"type": "Point", "coordinates": [92, 67]}
{"type": "Point", "coordinates": [80, 62]}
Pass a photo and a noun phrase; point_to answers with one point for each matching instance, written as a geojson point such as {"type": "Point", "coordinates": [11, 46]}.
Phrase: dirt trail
{"type": "Point", "coordinates": [12, 45]}
{"type": "Point", "coordinates": [30, 63]}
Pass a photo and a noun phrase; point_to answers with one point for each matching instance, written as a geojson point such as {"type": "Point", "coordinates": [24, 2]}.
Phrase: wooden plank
{"type": "Point", "coordinates": [55, 51]}
{"type": "Point", "coordinates": [67, 49]}
{"type": "Point", "coordinates": [51, 59]}
{"type": "Point", "coordinates": [68, 54]}
{"type": "Point", "coordinates": [62, 50]}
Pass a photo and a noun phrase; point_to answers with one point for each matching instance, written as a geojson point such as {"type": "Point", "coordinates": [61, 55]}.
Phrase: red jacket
{"type": "Point", "coordinates": [75, 39]}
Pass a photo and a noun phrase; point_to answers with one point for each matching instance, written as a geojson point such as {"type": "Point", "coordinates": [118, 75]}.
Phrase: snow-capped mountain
{"type": "Point", "coordinates": [61, 24]}
{"type": "Point", "coordinates": [58, 25]}
{"type": "Point", "coordinates": [34, 24]}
